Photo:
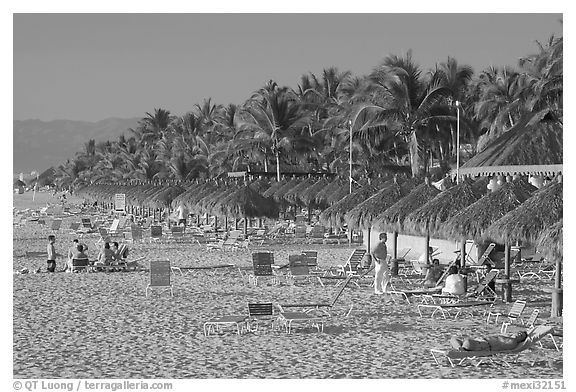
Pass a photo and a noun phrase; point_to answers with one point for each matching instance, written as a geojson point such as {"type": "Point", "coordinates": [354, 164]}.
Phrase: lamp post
{"type": "Point", "coordinates": [457, 141]}
{"type": "Point", "coordinates": [350, 160]}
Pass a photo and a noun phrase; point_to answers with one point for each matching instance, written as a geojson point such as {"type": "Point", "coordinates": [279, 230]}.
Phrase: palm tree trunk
{"type": "Point", "coordinates": [277, 153]}
{"type": "Point", "coordinates": [414, 158]}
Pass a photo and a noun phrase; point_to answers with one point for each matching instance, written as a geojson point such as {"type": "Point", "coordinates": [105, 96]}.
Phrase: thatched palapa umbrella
{"type": "Point", "coordinates": [550, 244]}
{"type": "Point", "coordinates": [363, 215]}
{"type": "Point", "coordinates": [274, 186]}
{"type": "Point", "coordinates": [428, 218]}
{"type": "Point", "coordinates": [280, 192]}
{"type": "Point", "coordinates": [338, 186]}
{"type": "Point", "coordinates": [527, 222]}
{"type": "Point", "coordinates": [291, 196]}
{"type": "Point", "coordinates": [308, 195]}
{"type": "Point", "coordinates": [531, 218]}
{"type": "Point", "coordinates": [527, 148]}
{"type": "Point", "coordinates": [334, 215]}
{"type": "Point", "coordinates": [246, 202]}
{"type": "Point", "coordinates": [471, 222]}
{"type": "Point", "coordinates": [392, 219]}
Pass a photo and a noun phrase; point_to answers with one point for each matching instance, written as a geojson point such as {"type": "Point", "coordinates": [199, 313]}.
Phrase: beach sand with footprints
{"type": "Point", "coordinates": [101, 325]}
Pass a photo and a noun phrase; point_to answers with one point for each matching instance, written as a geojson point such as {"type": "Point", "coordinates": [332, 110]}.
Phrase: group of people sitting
{"type": "Point", "coordinates": [113, 255]}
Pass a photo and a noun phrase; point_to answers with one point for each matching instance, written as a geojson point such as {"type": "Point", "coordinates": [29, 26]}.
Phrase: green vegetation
{"type": "Point", "coordinates": [402, 119]}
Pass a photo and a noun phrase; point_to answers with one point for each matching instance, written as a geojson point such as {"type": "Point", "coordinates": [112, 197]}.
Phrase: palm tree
{"type": "Point", "coordinates": [543, 76]}
{"type": "Point", "coordinates": [152, 127]}
{"type": "Point", "coordinates": [499, 106]}
{"type": "Point", "coordinates": [399, 99]}
{"type": "Point", "coordinates": [273, 117]}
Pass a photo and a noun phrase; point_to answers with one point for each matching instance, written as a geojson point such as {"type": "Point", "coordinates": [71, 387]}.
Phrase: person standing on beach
{"type": "Point", "coordinates": [51, 267]}
{"type": "Point", "coordinates": [382, 275]}
{"type": "Point", "coordinates": [182, 214]}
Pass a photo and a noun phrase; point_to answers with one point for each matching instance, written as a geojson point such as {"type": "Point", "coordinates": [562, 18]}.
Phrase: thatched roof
{"type": "Point", "coordinates": [273, 188]}
{"type": "Point", "coordinates": [429, 217]}
{"type": "Point", "coordinates": [194, 199]}
{"type": "Point", "coordinates": [292, 195]}
{"type": "Point", "coordinates": [19, 183]}
{"type": "Point", "coordinates": [308, 195]}
{"type": "Point", "coordinates": [335, 186]}
{"type": "Point", "coordinates": [247, 202]}
{"type": "Point", "coordinates": [550, 242]}
{"type": "Point", "coordinates": [333, 216]}
{"type": "Point", "coordinates": [363, 215]}
{"type": "Point", "coordinates": [531, 218]}
{"type": "Point", "coordinates": [164, 196]}
{"type": "Point", "coordinates": [524, 149]}
{"type": "Point", "coordinates": [343, 191]}
{"type": "Point", "coordinates": [392, 219]}
{"type": "Point", "coordinates": [47, 177]}
{"type": "Point", "coordinates": [278, 196]}
{"type": "Point", "coordinates": [475, 219]}
{"type": "Point", "coordinates": [207, 204]}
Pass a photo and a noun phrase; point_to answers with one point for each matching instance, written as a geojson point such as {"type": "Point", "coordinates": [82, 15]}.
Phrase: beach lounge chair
{"type": "Point", "coordinates": [86, 223]}
{"type": "Point", "coordinates": [204, 268]}
{"type": "Point", "coordinates": [311, 257]}
{"type": "Point", "coordinates": [214, 243]}
{"type": "Point", "coordinates": [445, 305]}
{"type": "Point", "coordinates": [177, 233]}
{"type": "Point", "coordinates": [287, 319]}
{"type": "Point", "coordinates": [257, 312]}
{"type": "Point", "coordinates": [74, 226]}
{"type": "Point", "coordinates": [402, 253]}
{"type": "Point", "coordinates": [298, 269]}
{"type": "Point", "coordinates": [514, 314]}
{"type": "Point", "coordinates": [56, 223]}
{"type": "Point", "coordinates": [456, 357]}
{"type": "Point", "coordinates": [262, 266]}
{"type": "Point", "coordinates": [405, 295]}
{"type": "Point", "coordinates": [317, 234]}
{"type": "Point", "coordinates": [216, 324]}
{"type": "Point", "coordinates": [80, 265]}
{"type": "Point", "coordinates": [114, 227]}
{"type": "Point", "coordinates": [322, 306]}
{"type": "Point", "coordinates": [530, 322]}
{"type": "Point", "coordinates": [352, 264]}
{"type": "Point", "coordinates": [160, 278]}
{"type": "Point", "coordinates": [155, 232]}
{"type": "Point", "coordinates": [300, 230]}
{"type": "Point", "coordinates": [485, 258]}
{"type": "Point", "coordinates": [483, 290]}
{"type": "Point", "coordinates": [135, 233]}
{"type": "Point", "coordinates": [258, 237]}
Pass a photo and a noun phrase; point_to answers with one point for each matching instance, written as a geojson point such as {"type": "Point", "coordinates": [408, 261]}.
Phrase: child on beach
{"type": "Point", "coordinates": [51, 267]}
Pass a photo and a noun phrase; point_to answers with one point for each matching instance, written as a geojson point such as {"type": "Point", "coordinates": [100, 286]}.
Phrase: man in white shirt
{"type": "Point", "coordinates": [382, 275]}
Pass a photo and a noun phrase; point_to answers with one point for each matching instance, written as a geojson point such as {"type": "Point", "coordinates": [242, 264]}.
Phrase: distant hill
{"type": "Point", "coordinates": [39, 145]}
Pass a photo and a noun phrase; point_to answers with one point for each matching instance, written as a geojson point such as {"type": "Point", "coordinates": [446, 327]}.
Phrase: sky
{"type": "Point", "coordinates": [95, 66]}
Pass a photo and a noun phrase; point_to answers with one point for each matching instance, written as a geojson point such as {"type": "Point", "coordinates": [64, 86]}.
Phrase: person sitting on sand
{"type": "Point", "coordinates": [488, 343]}
{"type": "Point", "coordinates": [79, 255]}
{"type": "Point", "coordinates": [433, 274]}
{"type": "Point", "coordinates": [72, 250]}
{"type": "Point", "coordinates": [106, 255]}
{"type": "Point", "coordinates": [454, 282]}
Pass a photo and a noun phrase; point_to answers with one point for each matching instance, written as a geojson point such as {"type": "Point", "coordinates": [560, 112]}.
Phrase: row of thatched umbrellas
{"type": "Point", "coordinates": [399, 206]}
{"type": "Point", "coordinates": [514, 212]}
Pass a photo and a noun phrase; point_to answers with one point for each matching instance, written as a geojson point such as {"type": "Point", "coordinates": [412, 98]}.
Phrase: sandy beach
{"type": "Point", "coordinates": [101, 325]}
